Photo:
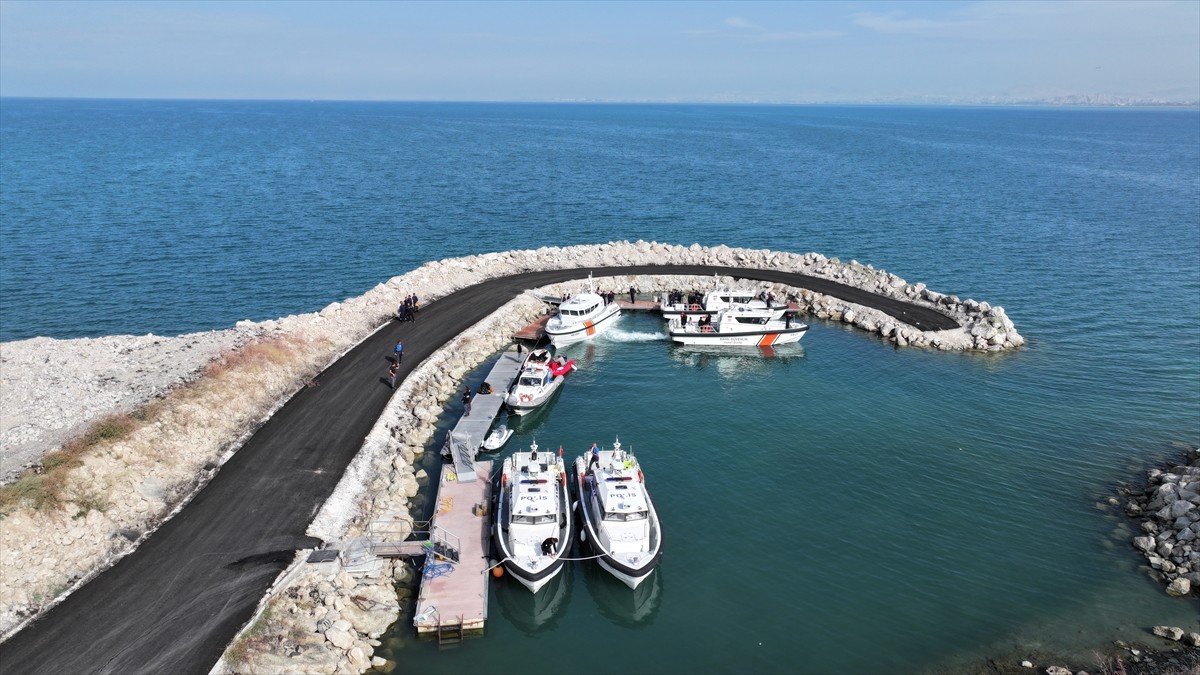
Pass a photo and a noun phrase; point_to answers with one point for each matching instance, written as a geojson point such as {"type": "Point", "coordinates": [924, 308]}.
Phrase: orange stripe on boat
{"type": "Point", "coordinates": [768, 340]}
{"type": "Point", "coordinates": [591, 329]}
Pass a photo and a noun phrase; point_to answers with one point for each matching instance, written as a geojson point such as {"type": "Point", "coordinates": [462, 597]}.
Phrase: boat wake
{"type": "Point", "coordinates": [618, 335]}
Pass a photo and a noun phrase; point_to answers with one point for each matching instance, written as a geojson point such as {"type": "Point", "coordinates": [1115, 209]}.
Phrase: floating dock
{"type": "Point", "coordinates": [466, 437]}
{"type": "Point", "coordinates": [454, 584]}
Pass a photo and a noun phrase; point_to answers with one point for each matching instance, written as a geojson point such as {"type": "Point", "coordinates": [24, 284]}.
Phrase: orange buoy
{"type": "Point", "coordinates": [498, 571]}
{"type": "Point", "coordinates": [640, 479]}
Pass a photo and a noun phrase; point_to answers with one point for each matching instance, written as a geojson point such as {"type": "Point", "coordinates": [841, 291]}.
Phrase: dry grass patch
{"type": "Point", "coordinates": [48, 485]}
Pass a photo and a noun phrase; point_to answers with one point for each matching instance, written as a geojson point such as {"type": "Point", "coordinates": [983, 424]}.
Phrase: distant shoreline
{"type": "Point", "coordinates": [1066, 103]}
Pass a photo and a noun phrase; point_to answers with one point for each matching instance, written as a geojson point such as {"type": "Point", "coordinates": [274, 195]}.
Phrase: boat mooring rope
{"type": "Point", "coordinates": [598, 555]}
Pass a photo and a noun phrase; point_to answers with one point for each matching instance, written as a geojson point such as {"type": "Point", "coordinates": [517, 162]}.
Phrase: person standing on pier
{"type": "Point", "coordinates": [632, 294]}
{"type": "Point", "coordinates": [466, 399]}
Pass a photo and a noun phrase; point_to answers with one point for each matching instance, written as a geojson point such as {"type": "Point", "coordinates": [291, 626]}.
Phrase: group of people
{"type": "Point", "coordinates": [407, 310]}
{"type": "Point", "coordinates": [675, 297]}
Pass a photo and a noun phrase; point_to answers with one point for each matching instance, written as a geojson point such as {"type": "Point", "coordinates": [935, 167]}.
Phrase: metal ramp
{"type": "Point", "coordinates": [389, 539]}
{"type": "Point", "coordinates": [466, 437]}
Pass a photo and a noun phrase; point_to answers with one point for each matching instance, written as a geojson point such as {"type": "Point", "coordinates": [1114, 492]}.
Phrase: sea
{"type": "Point", "coordinates": [835, 506]}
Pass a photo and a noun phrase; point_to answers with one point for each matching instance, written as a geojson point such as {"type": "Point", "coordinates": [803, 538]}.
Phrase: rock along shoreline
{"type": "Point", "coordinates": [148, 476]}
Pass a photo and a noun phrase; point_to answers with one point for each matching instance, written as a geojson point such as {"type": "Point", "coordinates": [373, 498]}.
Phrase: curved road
{"type": "Point", "coordinates": [173, 605]}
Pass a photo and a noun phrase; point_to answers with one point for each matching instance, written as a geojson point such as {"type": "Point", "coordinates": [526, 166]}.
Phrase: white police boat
{"type": "Point", "coordinates": [617, 518]}
{"type": "Point", "coordinates": [533, 526]}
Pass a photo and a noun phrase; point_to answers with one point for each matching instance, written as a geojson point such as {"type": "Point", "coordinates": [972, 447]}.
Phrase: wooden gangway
{"type": "Point", "coordinates": [453, 595]}
{"type": "Point", "coordinates": [534, 331]}
{"type": "Point", "coordinates": [468, 434]}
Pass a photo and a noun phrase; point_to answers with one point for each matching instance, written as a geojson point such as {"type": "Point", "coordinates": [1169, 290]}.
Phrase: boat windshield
{"type": "Point", "coordinates": [623, 517]}
{"type": "Point", "coordinates": [535, 519]}
{"type": "Point", "coordinates": [530, 381]}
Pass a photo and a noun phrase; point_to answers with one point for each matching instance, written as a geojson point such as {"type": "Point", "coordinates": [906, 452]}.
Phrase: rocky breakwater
{"type": "Point", "coordinates": [982, 326]}
{"type": "Point", "coordinates": [1169, 510]}
{"type": "Point", "coordinates": [122, 488]}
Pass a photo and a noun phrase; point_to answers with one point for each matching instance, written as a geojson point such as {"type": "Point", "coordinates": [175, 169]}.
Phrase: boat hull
{"type": "Point", "coordinates": [769, 338]}
{"type": "Point", "coordinates": [497, 439]}
{"type": "Point", "coordinates": [578, 332]}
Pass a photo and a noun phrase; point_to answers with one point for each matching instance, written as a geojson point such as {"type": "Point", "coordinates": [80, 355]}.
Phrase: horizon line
{"type": "Point", "coordinates": [1069, 101]}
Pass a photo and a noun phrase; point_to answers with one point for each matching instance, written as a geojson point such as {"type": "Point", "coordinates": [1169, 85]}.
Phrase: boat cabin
{"type": "Point", "coordinates": [619, 488]}
{"type": "Point", "coordinates": [535, 499]}
{"type": "Point", "coordinates": [579, 308]}
{"type": "Point", "coordinates": [534, 377]}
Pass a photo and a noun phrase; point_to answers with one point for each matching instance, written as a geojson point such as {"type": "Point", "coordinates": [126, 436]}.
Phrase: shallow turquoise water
{"type": "Point", "coordinates": [851, 506]}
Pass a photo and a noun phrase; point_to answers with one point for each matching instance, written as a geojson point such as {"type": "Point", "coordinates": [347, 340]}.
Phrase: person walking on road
{"type": "Point", "coordinates": [399, 349]}
{"type": "Point", "coordinates": [393, 373]}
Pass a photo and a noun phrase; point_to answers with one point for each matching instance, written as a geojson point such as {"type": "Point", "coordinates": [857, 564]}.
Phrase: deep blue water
{"type": "Point", "coordinates": [853, 507]}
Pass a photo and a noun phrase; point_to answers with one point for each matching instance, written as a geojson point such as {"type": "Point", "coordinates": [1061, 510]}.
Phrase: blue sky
{"type": "Point", "coordinates": [611, 51]}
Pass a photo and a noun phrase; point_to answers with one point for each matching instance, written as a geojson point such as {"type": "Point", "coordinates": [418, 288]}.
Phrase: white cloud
{"type": "Point", "coordinates": [743, 24]}
{"type": "Point", "coordinates": [895, 22]}
{"type": "Point", "coordinates": [753, 32]}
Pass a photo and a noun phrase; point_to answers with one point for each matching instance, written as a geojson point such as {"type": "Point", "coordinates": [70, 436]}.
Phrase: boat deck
{"type": "Point", "coordinates": [454, 594]}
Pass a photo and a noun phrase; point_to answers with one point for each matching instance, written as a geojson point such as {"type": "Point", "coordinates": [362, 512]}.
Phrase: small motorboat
{"type": "Point", "coordinates": [540, 376]}
{"type": "Point", "coordinates": [497, 438]}
{"type": "Point", "coordinates": [533, 526]}
{"type": "Point", "coordinates": [580, 317]}
{"type": "Point", "coordinates": [736, 326]}
{"type": "Point", "coordinates": [617, 517]}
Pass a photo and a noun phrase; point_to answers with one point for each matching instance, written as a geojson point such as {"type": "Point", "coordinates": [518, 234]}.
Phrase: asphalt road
{"type": "Point", "coordinates": [174, 604]}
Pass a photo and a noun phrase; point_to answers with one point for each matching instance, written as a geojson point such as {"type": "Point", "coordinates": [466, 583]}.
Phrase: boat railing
{"type": "Point", "coordinates": [445, 544]}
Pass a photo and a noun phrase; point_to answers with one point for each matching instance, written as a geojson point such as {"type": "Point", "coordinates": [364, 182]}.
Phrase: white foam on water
{"type": "Point", "coordinates": [617, 335]}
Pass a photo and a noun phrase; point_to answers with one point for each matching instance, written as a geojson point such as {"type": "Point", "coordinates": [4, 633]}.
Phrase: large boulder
{"type": "Point", "coordinates": [1169, 632]}
{"type": "Point", "coordinates": [1179, 587]}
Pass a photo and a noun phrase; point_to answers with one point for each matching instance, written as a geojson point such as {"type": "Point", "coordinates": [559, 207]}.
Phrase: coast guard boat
{"type": "Point", "coordinates": [581, 317]}
{"type": "Point", "coordinates": [617, 517]}
{"type": "Point", "coordinates": [533, 527]}
{"type": "Point", "coordinates": [737, 326]}
{"type": "Point", "coordinates": [540, 376]}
